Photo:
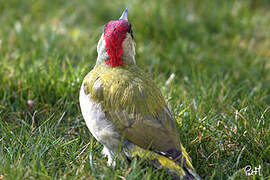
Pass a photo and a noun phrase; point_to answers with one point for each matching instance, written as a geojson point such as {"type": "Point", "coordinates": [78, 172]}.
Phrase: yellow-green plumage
{"type": "Point", "coordinates": [137, 109]}
{"type": "Point", "coordinates": [126, 87]}
{"type": "Point", "coordinates": [164, 161]}
{"type": "Point", "coordinates": [134, 104]}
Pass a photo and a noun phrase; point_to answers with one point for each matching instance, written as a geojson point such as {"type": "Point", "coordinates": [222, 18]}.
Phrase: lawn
{"type": "Point", "coordinates": [211, 60]}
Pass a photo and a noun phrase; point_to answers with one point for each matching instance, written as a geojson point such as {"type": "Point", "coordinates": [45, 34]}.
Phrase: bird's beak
{"type": "Point", "coordinates": [124, 15]}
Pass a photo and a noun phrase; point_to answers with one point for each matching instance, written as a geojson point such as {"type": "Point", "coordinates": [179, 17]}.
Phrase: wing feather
{"type": "Point", "coordinates": [134, 104]}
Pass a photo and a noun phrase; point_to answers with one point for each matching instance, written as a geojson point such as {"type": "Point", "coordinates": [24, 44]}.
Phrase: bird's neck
{"type": "Point", "coordinates": [127, 56]}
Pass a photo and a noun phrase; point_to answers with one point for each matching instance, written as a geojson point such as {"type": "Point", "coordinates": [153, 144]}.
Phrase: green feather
{"type": "Point", "coordinates": [126, 88]}
{"type": "Point", "coordinates": [169, 164]}
{"type": "Point", "coordinates": [134, 104]}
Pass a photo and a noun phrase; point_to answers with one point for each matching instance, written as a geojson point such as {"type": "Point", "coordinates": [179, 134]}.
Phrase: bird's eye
{"type": "Point", "coordinates": [130, 31]}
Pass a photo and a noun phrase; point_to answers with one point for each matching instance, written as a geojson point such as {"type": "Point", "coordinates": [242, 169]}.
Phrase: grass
{"type": "Point", "coordinates": [220, 96]}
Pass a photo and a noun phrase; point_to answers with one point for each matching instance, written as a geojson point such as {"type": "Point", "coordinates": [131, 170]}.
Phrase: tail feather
{"type": "Point", "coordinates": [177, 163]}
{"type": "Point", "coordinates": [178, 170]}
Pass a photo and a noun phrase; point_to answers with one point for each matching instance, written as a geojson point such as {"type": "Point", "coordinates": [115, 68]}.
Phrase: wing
{"type": "Point", "coordinates": [135, 106]}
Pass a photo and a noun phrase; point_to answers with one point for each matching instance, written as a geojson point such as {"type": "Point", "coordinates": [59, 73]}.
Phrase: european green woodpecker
{"type": "Point", "coordinates": [123, 107]}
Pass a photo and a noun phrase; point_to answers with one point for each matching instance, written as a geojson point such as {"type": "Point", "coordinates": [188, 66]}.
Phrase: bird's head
{"type": "Point", "coordinates": [116, 46]}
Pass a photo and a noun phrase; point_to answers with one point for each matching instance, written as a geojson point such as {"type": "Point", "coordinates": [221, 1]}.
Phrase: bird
{"type": "Point", "coordinates": [125, 110]}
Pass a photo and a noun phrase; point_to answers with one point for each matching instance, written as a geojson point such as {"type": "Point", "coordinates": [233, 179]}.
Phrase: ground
{"type": "Point", "coordinates": [211, 60]}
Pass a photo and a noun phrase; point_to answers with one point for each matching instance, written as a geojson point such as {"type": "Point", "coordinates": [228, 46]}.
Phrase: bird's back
{"type": "Point", "coordinates": [134, 104]}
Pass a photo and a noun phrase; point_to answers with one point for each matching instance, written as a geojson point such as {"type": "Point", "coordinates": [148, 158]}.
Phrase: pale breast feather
{"type": "Point", "coordinates": [98, 124]}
